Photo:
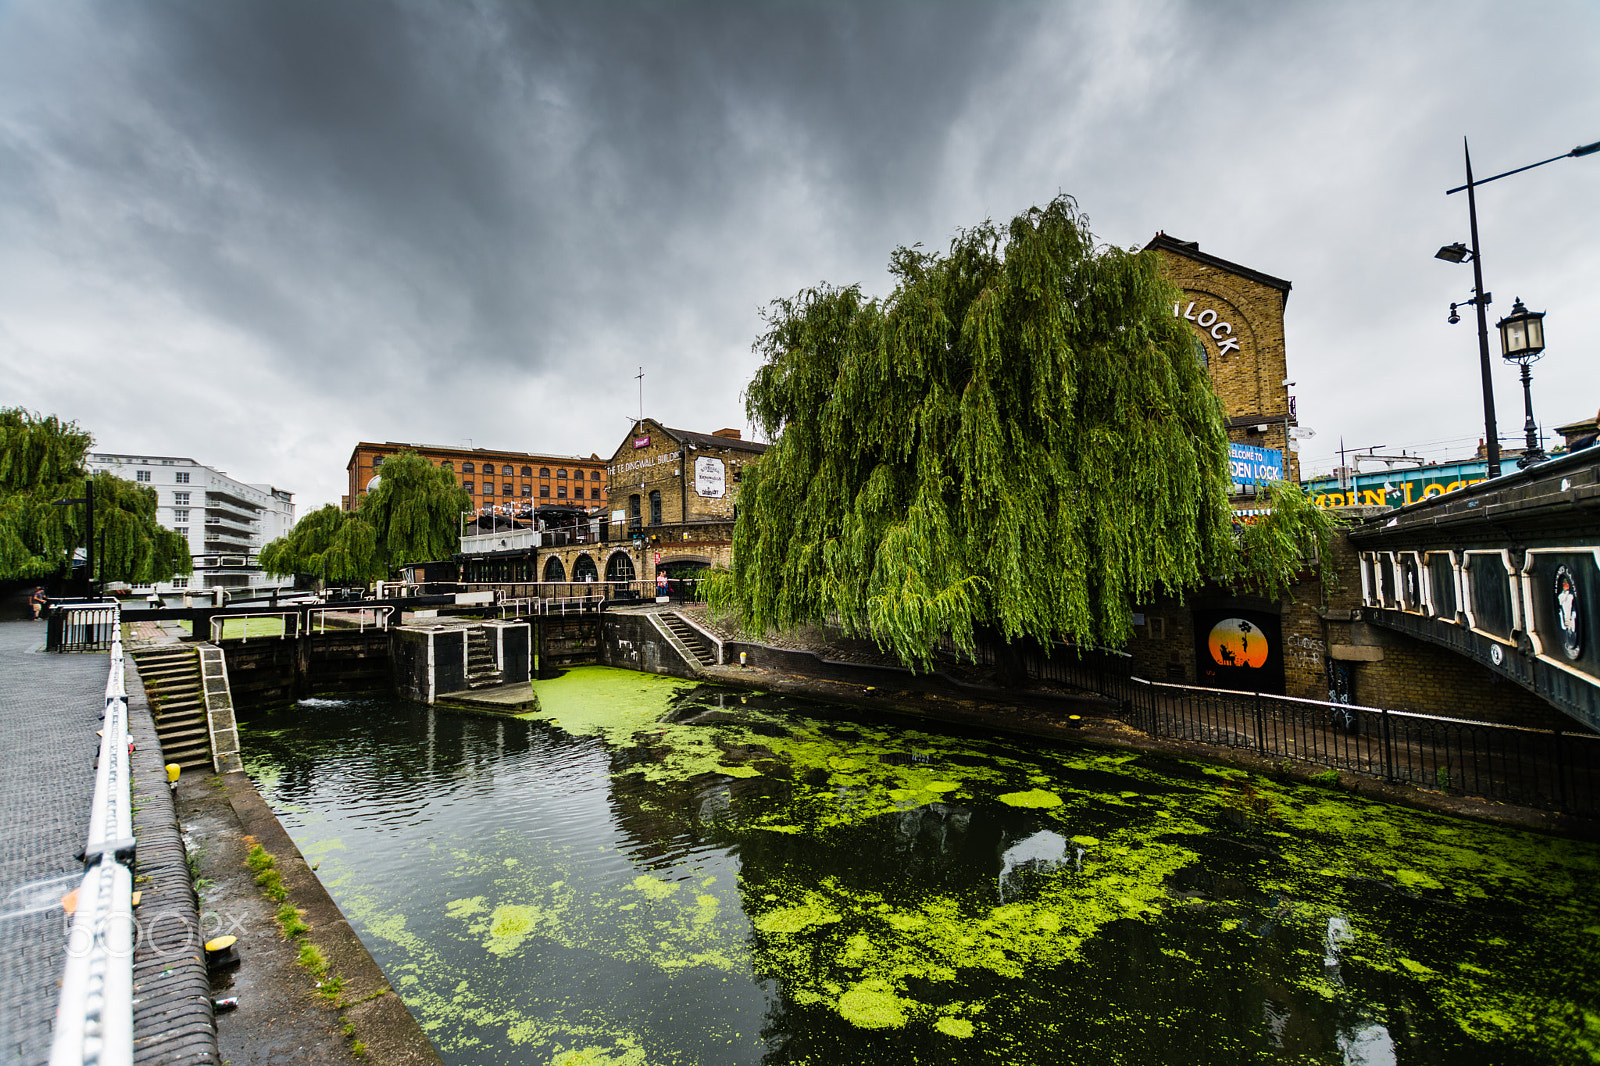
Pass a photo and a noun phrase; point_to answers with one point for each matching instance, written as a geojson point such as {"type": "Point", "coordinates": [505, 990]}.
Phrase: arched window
{"type": "Point", "coordinates": [527, 471]}
{"type": "Point", "coordinates": [447, 465]}
{"type": "Point", "coordinates": [561, 474]}
{"type": "Point", "coordinates": [561, 492]}
{"type": "Point", "coordinates": [505, 471]}
{"type": "Point", "coordinates": [553, 570]}
{"type": "Point", "coordinates": [583, 569]}
{"type": "Point", "coordinates": [655, 507]}
{"type": "Point", "coordinates": [594, 475]}
{"type": "Point", "coordinates": [466, 468]}
{"type": "Point", "coordinates": [619, 567]}
{"type": "Point", "coordinates": [544, 471]}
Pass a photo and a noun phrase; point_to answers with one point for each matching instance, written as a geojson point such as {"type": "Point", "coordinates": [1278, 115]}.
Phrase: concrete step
{"type": "Point", "coordinates": [174, 737]}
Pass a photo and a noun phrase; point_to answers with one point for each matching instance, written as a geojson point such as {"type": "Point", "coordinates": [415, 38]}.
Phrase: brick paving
{"type": "Point", "coordinates": [49, 714]}
{"type": "Point", "coordinates": [49, 711]}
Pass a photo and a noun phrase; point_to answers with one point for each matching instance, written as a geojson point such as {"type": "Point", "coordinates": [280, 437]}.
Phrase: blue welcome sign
{"type": "Point", "coordinates": [1251, 465]}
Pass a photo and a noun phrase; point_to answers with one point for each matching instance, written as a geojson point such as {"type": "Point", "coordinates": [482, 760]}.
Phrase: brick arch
{"type": "Point", "coordinates": [668, 560]}
{"type": "Point", "coordinates": [583, 568]}
{"type": "Point", "coordinates": [619, 567]}
{"type": "Point", "coordinates": [1243, 329]}
{"type": "Point", "coordinates": [553, 569]}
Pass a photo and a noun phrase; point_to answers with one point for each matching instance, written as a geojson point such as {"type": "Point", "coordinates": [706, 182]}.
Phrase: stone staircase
{"type": "Point", "coordinates": [694, 646]}
{"type": "Point", "coordinates": [171, 675]}
{"type": "Point", "coordinates": [481, 669]}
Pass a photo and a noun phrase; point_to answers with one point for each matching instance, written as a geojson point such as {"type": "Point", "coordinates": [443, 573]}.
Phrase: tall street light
{"type": "Point", "coordinates": [1522, 341]}
{"type": "Point", "coordinates": [1455, 253]}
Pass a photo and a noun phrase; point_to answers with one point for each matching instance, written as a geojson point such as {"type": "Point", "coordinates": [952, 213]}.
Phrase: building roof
{"type": "Point", "coordinates": [470, 453]}
{"type": "Point", "coordinates": [1191, 250]}
{"type": "Point", "coordinates": [711, 440]}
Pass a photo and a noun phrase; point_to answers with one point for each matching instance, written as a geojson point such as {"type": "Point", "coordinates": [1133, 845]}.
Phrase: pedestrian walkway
{"type": "Point", "coordinates": [50, 708]}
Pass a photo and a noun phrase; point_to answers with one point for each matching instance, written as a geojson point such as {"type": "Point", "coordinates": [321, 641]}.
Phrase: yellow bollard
{"type": "Point", "coordinates": [172, 771]}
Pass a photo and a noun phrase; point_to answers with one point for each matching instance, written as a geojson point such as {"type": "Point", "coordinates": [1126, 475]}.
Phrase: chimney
{"type": "Point", "coordinates": [731, 434]}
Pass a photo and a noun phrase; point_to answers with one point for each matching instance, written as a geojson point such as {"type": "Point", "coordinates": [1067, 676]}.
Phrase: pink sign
{"type": "Point", "coordinates": [641, 442]}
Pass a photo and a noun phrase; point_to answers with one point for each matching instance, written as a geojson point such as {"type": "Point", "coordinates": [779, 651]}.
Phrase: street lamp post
{"type": "Point", "coordinates": [1455, 253]}
{"type": "Point", "coordinates": [87, 499]}
{"type": "Point", "coordinates": [1522, 341]}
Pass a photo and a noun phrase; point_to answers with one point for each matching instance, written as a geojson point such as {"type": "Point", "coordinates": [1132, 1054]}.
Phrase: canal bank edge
{"type": "Point", "coordinates": [631, 643]}
{"type": "Point", "coordinates": [382, 1021]}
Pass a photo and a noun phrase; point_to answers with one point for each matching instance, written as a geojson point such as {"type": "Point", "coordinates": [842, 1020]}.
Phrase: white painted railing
{"type": "Point", "coordinates": [94, 1016]}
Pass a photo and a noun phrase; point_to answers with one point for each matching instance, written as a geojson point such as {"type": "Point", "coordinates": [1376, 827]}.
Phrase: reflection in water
{"type": "Point", "coordinates": [648, 872]}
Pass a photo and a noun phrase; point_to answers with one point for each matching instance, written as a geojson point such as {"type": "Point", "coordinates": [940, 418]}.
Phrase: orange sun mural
{"type": "Point", "coordinates": [1235, 642]}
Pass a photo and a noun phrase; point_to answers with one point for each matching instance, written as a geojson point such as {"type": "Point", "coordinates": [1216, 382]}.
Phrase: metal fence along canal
{"type": "Point", "coordinates": [1550, 769]}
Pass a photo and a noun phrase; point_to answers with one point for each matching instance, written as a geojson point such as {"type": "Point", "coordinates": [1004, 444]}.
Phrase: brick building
{"type": "Point", "coordinates": [1237, 314]}
{"type": "Point", "coordinates": [502, 479]}
{"type": "Point", "coordinates": [678, 490]}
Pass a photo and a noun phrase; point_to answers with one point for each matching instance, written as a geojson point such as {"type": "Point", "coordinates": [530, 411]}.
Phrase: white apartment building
{"type": "Point", "coordinates": [226, 521]}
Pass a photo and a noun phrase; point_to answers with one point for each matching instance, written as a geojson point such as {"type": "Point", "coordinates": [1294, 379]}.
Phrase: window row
{"type": "Point", "coordinates": [527, 490]}
{"type": "Point", "coordinates": [506, 471]}
{"type": "Point", "coordinates": [143, 476]}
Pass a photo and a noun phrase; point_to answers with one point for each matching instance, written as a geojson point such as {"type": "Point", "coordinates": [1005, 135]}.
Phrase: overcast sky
{"type": "Point", "coordinates": [255, 233]}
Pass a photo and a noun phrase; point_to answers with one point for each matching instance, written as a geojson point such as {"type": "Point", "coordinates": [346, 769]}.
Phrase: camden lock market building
{"type": "Point", "coordinates": [1218, 639]}
{"type": "Point", "coordinates": [1299, 646]}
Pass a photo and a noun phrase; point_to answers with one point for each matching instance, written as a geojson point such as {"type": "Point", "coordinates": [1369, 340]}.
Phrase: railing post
{"type": "Point", "coordinates": [1561, 775]}
{"type": "Point", "coordinates": [1388, 748]}
{"type": "Point", "coordinates": [1261, 730]}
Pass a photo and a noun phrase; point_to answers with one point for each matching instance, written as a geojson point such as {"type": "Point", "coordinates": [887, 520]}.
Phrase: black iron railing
{"type": "Point", "coordinates": [82, 626]}
{"type": "Point", "coordinates": [1551, 769]}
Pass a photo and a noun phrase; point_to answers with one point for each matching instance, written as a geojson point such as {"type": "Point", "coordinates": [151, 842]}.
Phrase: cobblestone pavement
{"type": "Point", "coordinates": [49, 711]}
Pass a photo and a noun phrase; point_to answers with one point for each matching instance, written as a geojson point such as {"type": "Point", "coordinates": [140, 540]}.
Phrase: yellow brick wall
{"type": "Point", "coordinates": [1249, 378]}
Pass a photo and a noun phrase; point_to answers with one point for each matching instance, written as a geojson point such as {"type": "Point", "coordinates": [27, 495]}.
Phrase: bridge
{"type": "Point", "coordinates": [1506, 572]}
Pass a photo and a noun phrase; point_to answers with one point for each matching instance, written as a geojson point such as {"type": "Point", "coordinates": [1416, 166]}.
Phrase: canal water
{"type": "Point", "coordinates": [649, 871]}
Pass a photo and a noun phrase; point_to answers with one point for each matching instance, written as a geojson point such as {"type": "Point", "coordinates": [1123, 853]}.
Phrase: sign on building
{"type": "Point", "coordinates": [710, 477]}
{"type": "Point", "coordinates": [1251, 464]}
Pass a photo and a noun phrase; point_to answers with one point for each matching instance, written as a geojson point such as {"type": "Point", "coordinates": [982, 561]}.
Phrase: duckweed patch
{"type": "Point", "coordinates": [770, 881]}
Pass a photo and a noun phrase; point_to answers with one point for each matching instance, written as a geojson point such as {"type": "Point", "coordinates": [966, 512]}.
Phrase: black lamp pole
{"type": "Point", "coordinates": [1480, 299]}
{"type": "Point", "coordinates": [87, 499]}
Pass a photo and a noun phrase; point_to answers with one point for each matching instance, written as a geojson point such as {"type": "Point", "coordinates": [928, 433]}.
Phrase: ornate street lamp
{"type": "Point", "coordinates": [1522, 341]}
{"type": "Point", "coordinates": [1458, 252]}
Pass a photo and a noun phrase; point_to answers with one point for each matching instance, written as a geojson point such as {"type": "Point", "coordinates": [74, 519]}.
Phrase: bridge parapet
{"type": "Point", "coordinates": [1506, 572]}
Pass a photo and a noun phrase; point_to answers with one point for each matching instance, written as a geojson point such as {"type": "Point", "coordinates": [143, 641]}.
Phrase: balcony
{"type": "Point", "coordinates": [219, 497]}
{"type": "Point", "coordinates": [504, 540]}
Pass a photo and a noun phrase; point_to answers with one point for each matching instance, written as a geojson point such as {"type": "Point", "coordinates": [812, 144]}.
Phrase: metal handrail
{"type": "Point", "coordinates": [218, 625]}
{"type": "Point", "coordinates": [94, 1014]}
{"type": "Point", "coordinates": [380, 618]}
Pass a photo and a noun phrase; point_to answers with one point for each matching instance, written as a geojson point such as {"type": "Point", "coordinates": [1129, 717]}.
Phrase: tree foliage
{"type": "Point", "coordinates": [1021, 438]}
{"type": "Point", "coordinates": [413, 515]}
{"type": "Point", "coordinates": [42, 461]}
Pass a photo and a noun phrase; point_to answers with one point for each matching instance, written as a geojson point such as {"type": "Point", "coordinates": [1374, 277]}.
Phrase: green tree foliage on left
{"type": "Point", "coordinates": [42, 461]}
{"type": "Point", "coordinates": [411, 516]}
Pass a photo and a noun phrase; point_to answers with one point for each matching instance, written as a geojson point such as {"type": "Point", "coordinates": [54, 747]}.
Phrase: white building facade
{"type": "Point", "coordinates": [226, 521]}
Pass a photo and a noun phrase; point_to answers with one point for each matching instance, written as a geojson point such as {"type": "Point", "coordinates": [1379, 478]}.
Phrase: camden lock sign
{"type": "Point", "coordinates": [1212, 323]}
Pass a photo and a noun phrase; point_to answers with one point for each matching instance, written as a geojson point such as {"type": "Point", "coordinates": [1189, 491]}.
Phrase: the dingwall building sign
{"type": "Point", "coordinates": [1213, 323]}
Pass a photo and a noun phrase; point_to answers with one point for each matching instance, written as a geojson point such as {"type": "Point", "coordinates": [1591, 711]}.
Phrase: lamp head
{"type": "Point", "coordinates": [1452, 253]}
{"type": "Point", "coordinates": [1454, 315]}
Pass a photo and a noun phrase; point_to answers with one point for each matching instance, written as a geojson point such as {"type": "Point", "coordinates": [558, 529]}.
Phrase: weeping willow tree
{"type": "Point", "coordinates": [42, 461]}
{"type": "Point", "coordinates": [415, 511]}
{"type": "Point", "coordinates": [413, 515]}
{"type": "Point", "coordinates": [331, 544]}
{"type": "Point", "coordinates": [1021, 439]}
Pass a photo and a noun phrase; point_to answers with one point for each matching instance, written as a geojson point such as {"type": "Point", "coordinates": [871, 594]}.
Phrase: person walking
{"type": "Point", "coordinates": [37, 601]}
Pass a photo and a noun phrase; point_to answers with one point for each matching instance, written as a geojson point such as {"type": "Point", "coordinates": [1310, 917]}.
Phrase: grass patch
{"type": "Point", "coordinates": [331, 987]}
{"type": "Point", "coordinates": [312, 958]}
{"type": "Point", "coordinates": [1327, 778]}
{"type": "Point", "coordinates": [260, 859]}
{"type": "Point", "coordinates": [290, 922]}
{"type": "Point", "coordinates": [358, 1049]}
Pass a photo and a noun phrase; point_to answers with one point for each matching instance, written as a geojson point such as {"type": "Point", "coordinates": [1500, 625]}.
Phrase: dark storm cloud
{"type": "Point", "coordinates": [312, 223]}
{"type": "Point", "coordinates": [491, 169]}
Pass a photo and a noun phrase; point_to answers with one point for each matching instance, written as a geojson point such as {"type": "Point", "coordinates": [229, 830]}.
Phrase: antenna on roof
{"type": "Point", "coordinates": [640, 376]}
